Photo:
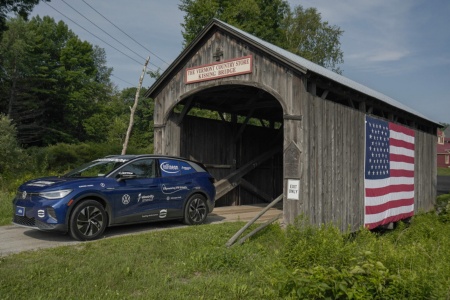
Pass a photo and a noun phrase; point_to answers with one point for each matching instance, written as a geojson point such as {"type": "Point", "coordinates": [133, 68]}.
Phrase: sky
{"type": "Point", "coordinates": [397, 47]}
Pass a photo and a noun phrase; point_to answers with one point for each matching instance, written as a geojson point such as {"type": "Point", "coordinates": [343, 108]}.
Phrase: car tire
{"type": "Point", "coordinates": [195, 211]}
{"type": "Point", "coordinates": [87, 221]}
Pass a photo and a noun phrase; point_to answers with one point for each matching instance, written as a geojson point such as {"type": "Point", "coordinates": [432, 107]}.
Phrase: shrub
{"type": "Point", "coordinates": [443, 207]}
{"type": "Point", "coordinates": [12, 157]}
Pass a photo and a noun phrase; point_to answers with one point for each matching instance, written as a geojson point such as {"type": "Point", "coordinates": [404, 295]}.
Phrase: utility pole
{"type": "Point", "coordinates": [133, 109]}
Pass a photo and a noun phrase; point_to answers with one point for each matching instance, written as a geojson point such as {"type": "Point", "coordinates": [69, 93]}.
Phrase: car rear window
{"type": "Point", "coordinates": [172, 167]}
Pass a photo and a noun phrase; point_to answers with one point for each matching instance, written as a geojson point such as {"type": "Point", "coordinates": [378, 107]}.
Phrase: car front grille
{"type": "Point", "coordinates": [25, 221]}
{"type": "Point", "coordinates": [25, 195]}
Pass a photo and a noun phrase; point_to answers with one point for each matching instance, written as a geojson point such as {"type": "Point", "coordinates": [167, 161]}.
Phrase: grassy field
{"type": "Point", "coordinates": [444, 171]}
{"type": "Point", "coordinates": [300, 262]}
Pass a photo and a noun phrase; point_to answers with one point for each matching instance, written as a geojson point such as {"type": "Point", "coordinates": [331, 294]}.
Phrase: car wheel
{"type": "Point", "coordinates": [87, 221]}
{"type": "Point", "coordinates": [196, 210]}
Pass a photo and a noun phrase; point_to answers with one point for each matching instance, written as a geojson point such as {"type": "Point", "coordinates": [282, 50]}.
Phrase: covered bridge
{"type": "Point", "coordinates": [267, 122]}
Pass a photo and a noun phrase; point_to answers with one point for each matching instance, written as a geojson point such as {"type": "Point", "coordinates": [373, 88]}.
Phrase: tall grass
{"type": "Point", "coordinates": [300, 262]}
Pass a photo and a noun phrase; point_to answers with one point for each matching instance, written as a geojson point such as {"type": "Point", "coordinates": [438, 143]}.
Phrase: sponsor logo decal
{"type": "Point", "coordinates": [86, 185]}
{"type": "Point", "coordinates": [173, 189]}
{"type": "Point", "coordinates": [126, 173]}
{"type": "Point", "coordinates": [145, 198]}
{"type": "Point", "coordinates": [149, 216]}
{"type": "Point", "coordinates": [168, 168]}
{"type": "Point", "coordinates": [41, 213]}
{"type": "Point", "coordinates": [24, 195]}
{"type": "Point", "coordinates": [185, 168]}
{"type": "Point", "coordinates": [41, 183]}
{"type": "Point", "coordinates": [162, 213]}
{"type": "Point", "coordinates": [102, 184]}
{"type": "Point", "coordinates": [112, 159]}
{"type": "Point", "coordinates": [173, 198]}
{"type": "Point", "coordinates": [126, 199]}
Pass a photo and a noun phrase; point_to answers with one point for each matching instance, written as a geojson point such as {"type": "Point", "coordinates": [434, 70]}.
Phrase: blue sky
{"type": "Point", "coordinates": [399, 48]}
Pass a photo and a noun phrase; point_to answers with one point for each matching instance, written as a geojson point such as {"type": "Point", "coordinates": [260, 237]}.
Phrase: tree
{"type": "Point", "coordinates": [299, 31]}
{"type": "Point", "coordinates": [10, 152]}
{"type": "Point", "coordinates": [20, 7]}
{"type": "Point", "coordinates": [53, 85]}
{"type": "Point", "coordinates": [307, 36]}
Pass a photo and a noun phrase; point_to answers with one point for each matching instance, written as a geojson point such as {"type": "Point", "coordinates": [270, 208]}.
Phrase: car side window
{"type": "Point", "coordinates": [169, 167]}
{"type": "Point", "coordinates": [173, 167]}
{"type": "Point", "coordinates": [143, 168]}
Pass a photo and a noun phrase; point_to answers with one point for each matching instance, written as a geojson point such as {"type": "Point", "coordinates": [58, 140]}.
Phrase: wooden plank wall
{"type": "Point", "coordinates": [331, 183]}
{"type": "Point", "coordinates": [213, 143]}
{"type": "Point", "coordinates": [425, 181]}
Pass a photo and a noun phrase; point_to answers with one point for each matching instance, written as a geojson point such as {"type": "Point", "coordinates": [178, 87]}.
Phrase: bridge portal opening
{"type": "Point", "coordinates": [237, 132]}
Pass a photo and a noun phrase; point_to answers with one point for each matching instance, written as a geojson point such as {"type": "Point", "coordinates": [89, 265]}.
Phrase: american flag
{"type": "Point", "coordinates": [389, 173]}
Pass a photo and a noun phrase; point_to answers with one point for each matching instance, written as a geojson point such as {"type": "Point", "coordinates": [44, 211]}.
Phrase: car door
{"type": "Point", "coordinates": [138, 194]}
{"type": "Point", "coordinates": [175, 186]}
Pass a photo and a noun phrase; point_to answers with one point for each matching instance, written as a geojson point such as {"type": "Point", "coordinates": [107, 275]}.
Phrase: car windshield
{"type": "Point", "coordinates": [97, 168]}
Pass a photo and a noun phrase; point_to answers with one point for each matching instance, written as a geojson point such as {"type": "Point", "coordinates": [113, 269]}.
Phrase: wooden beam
{"type": "Point", "coordinates": [187, 107]}
{"type": "Point", "coordinates": [237, 234]}
{"type": "Point", "coordinates": [254, 190]}
{"type": "Point", "coordinates": [224, 185]}
{"type": "Point", "coordinates": [242, 128]}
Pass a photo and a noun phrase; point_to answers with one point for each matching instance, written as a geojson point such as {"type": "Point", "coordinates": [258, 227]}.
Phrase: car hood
{"type": "Point", "coordinates": [54, 183]}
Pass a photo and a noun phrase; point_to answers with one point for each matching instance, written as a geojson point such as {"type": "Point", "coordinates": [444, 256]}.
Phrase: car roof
{"type": "Point", "coordinates": [134, 156]}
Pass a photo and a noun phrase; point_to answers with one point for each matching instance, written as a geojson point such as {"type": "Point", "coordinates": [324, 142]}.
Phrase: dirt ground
{"type": "Point", "coordinates": [15, 239]}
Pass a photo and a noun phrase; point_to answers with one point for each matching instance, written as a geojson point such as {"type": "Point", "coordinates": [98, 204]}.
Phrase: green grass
{"type": "Point", "coordinates": [6, 208]}
{"type": "Point", "coordinates": [443, 171]}
{"type": "Point", "coordinates": [300, 262]}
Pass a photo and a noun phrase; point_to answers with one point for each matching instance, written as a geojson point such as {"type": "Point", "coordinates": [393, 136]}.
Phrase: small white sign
{"type": "Point", "coordinates": [293, 189]}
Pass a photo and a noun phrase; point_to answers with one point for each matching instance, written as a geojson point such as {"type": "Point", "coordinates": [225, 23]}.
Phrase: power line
{"type": "Point", "coordinates": [92, 33]}
{"type": "Point", "coordinates": [107, 33]}
{"type": "Point", "coordinates": [126, 33]}
{"type": "Point", "coordinates": [122, 79]}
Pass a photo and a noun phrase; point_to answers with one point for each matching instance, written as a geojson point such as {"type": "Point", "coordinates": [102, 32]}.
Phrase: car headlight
{"type": "Point", "coordinates": [55, 194]}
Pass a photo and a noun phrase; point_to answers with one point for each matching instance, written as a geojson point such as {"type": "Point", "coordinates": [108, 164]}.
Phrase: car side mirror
{"type": "Point", "coordinates": [125, 176]}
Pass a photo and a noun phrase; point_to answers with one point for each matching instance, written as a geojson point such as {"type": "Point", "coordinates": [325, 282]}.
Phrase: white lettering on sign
{"type": "Point", "coordinates": [293, 189]}
{"type": "Point", "coordinates": [239, 66]}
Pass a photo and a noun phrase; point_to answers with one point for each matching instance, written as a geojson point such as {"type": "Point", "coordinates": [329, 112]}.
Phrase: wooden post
{"type": "Point", "coordinates": [133, 109]}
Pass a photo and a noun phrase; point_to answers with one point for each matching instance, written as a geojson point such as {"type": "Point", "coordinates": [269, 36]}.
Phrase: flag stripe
{"type": "Point", "coordinates": [402, 144]}
{"type": "Point", "coordinates": [389, 189]}
{"type": "Point", "coordinates": [380, 200]}
{"type": "Point", "coordinates": [372, 184]}
{"type": "Point", "coordinates": [402, 173]}
{"type": "Point", "coordinates": [383, 207]}
{"type": "Point", "coordinates": [402, 158]}
{"type": "Point", "coordinates": [384, 219]}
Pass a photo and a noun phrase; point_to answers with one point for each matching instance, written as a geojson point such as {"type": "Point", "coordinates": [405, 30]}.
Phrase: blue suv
{"type": "Point", "coordinates": [116, 190]}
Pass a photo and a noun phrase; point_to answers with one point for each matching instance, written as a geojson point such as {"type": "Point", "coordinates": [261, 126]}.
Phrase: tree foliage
{"type": "Point", "coordinates": [53, 85]}
{"type": "Point", "coordinates": [20, 7]}
{"type": "Point", "coordinates": [10, 152]}
{"type": "Point", "coordinates": [298, 30]}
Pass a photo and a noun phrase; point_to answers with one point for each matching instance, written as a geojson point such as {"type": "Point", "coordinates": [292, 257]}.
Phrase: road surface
{"type": "Point", "coordinates": [14, 239]}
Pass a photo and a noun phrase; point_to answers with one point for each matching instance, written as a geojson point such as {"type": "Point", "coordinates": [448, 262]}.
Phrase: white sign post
{"type": "Point", "coordinates": [293, 189]}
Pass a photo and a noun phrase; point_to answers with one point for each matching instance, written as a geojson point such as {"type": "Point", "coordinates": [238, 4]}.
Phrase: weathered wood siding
{"type": "Point", "coordinates": [332, 173]}
{"type": "Point", "coordinates": [212, 142]}
{"type": "Point", "coordinates": [425, 179]}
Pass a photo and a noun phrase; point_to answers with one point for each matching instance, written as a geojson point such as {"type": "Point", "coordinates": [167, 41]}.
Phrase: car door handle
{"type": "Point", "coordinates": [189, 182]}
{"type": "Point", "coordinates": [153, 186]}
